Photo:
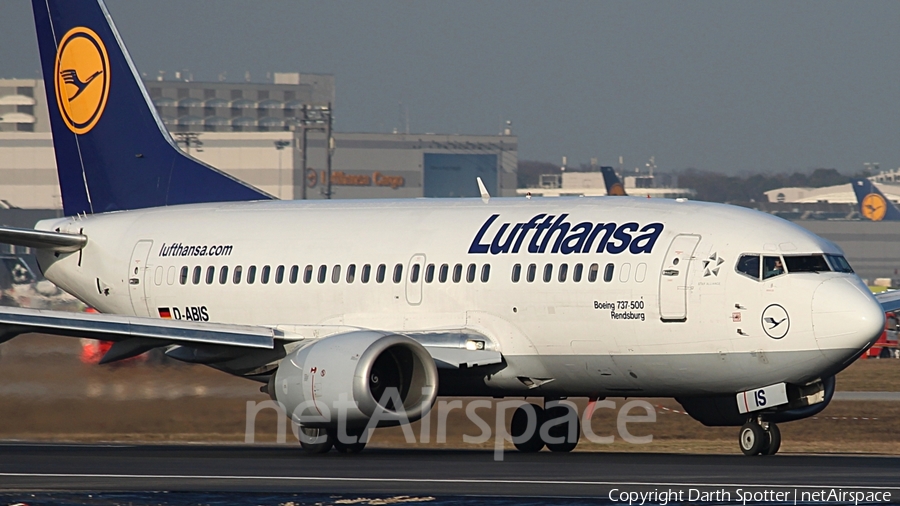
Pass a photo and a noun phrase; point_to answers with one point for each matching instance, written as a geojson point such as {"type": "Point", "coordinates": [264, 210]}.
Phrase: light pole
{"type": "Point", "coordinates": [280, 145]}
{"type": "Point", "coordinates": [314, 117]}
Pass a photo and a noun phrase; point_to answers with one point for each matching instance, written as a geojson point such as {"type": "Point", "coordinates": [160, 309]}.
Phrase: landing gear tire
{"type": "Point", "coordinates": [530, 442]}
{"type": "Point", "coordinates": [773, 441]}
{"type": "Point", "coordinates": [355, 447]}
{"type": "Point", "coordinates": [752, 438]}
{"type": "Point", "coordinates": [315, 441]}
{"type": "Point", "coordinates": [562, 430]}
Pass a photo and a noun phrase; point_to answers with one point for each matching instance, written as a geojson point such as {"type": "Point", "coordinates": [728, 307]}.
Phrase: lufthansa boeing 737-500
{"type": "Point", "coordinates": [742, 317]}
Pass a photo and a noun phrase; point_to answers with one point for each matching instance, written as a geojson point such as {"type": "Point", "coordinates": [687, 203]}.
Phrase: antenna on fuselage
{"type": "Point", "coordinates": [485, 196]}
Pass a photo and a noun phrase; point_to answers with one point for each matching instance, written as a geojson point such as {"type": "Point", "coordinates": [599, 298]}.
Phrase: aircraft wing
{"type": "Point", "coordinates": [890, 300]}
{"type": "Point", "coordinates": [53, 241]}
{"type": "Point", "coordinates": [134, 335]}
{"type": "Point", "coordinates": [131, 335]}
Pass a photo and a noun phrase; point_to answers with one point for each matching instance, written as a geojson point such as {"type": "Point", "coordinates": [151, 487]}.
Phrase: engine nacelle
{"type": "Point", "coordinates": [357, 376]}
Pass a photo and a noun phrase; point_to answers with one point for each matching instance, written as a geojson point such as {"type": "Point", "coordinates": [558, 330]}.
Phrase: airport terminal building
{"type": "Point", "coordinates": [260, 133]}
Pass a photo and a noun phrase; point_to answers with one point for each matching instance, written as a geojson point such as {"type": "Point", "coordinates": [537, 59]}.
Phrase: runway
{"type": "Point", "coordinates": [441, 473]}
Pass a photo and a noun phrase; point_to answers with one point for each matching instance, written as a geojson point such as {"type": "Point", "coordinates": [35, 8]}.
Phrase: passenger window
{"type": "Point", "coordinates": [772, 267]}
{"type": "Point", "coordinates": [563, 271]}
{"type": "Point", "coordinates": [323, 273]}
{"type": "Point", "coordinates": [592, 272]}
{"type": "Point", "coordinates": [351, 273]}
{"type": "Point", "coordinates": [264, 274]}
{"type": "Point", "coordinates": [442, 274]}
{"type": "Point", "coordinates": [470, 273]}
{"type": "Point", "coordinates": [532, 270]}
{"type": "Point", "coordinates": [307, 274]}
{"type": "Point", "coordinates": [577, 271]}
{"type": "Point", "coordinates": [210, 274]}
{"type": "Point", "coordinates": [366, 272]}
{"type": "Point", "coordinates": [640, 272]}
{"type": "Point", "coordinates": [608, 272]}
{"type": "Point", "coordinates": [295, 274]}
{"type": "Point", "coordinates": [457, 273]}
{"type": "Point", "coordinates": [236, 278]}
{"type": "Point", "coordinates": [414, 273]}
{"type": "Point", "coordinates": [251, 274]}
{"type": "Point", "coordinates": [748, 265]}
{"type": "Point", "coordinates": [548, 273]}
{"type": "Point", "coordinates": [485, 273]}
{"type": "Point", "coordinates": [184, 275]}
{"type": "Point", "coordinates": [223, 275]}
{"type": "Point", "coordinates": [279, 274]}
{"type": "Point", "coordinates": [196, 277]}
{"type": "Point", "coordinates": [624, 273]}
{"type": "Point", "coordinates": [379, 273]}
{"type": "Point", "coordinates": [429, 273]}
{"type": "Point", "coordinates": [170, 275]}
{"type": "Point", "coordinates": [158, 277]}
{"type": "Point", "coordinates": [398, 273]}
{"type": "Point", "coordinates": [336, 274]}
{"type": "Point", "coordinates": [516, 273]}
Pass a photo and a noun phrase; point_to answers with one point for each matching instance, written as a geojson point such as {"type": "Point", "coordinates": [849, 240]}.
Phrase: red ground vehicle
{"type": "Point", "coordinates": [886, 346]}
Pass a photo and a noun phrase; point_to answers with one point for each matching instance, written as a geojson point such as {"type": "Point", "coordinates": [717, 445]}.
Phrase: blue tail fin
{"type": "Point", "coordinates": [613, 185]}
{"type": "Point", "coordinates": [873, 205]}
{"type": "Point", "coordinates": [112, 150]}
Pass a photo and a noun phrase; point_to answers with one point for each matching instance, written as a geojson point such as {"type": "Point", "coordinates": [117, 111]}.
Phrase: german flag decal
{"type": "Point", "coordinates": [165, 313]}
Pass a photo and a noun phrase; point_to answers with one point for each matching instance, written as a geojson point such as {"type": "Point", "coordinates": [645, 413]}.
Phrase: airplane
{"type": "Point", "coordinates": [873, 205]}
{"type": "Point", "coordinates": [614, 186]}
{"type": "Point", "coordinates": [385, 305]}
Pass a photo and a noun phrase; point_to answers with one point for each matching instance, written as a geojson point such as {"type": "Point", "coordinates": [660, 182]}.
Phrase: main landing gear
{"type": "Point", "coordinates": [759, 438]}
{"type": "Point", "coordinates": [557, 427]}
{"type": "Point", "coordinates": [316, 441]}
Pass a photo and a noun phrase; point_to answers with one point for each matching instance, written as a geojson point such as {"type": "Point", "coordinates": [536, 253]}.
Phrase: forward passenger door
{"type": "Point", "coordinates": [674, 278]}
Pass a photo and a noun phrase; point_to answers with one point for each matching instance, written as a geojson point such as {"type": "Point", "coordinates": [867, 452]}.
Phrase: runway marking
{"type": "Point", "coordinates": [435, 480]}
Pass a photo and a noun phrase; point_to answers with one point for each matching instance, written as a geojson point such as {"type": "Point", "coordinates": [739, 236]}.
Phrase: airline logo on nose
{"type": "Point", "coordinates": [82, 79]}
{"type": "Point", "coordinates": [775, 321]}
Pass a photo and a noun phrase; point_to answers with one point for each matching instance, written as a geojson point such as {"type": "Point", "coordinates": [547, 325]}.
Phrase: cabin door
{"type": "Point", "coordinates": [138, 278]}
{"type": "Point", "coordinates": [673, 280]}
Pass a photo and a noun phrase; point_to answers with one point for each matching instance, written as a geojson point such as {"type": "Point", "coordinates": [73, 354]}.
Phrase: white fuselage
{"type": "Point", "coordinates": [671, 316]}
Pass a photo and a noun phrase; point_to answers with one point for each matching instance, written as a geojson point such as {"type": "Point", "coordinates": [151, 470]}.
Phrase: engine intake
{"type": "Point", "coordinates": [357, 376]}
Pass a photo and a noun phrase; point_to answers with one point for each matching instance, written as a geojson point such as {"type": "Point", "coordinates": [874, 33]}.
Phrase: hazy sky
{"type": "Point", "coordinates": [728, 86]}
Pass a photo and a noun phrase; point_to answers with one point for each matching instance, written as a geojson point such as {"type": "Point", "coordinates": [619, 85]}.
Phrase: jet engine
{"type": "Point", "coordinates": [356, 376]}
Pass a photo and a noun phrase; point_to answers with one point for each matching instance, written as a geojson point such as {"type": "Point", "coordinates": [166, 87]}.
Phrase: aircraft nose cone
{"type": "Point", "coordinates": [846, 317]}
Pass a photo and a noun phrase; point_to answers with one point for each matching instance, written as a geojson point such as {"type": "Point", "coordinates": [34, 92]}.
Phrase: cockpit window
{"type": "Point", "coordinates": [806, 263]}
{"type": "Point", "coordinates": [839, 263]}
{"type": "Point", "coordinates": [772, 267]}
{"type": "Point", "coordinates": [748, 265]}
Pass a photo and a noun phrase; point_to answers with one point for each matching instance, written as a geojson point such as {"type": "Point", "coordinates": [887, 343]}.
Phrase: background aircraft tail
{"type": "Point", "coordinates": [613, 185]}
{"type": "Point", "coordinates": [873, 205]}
{"type": "Point", "coordinates": [112, 150]}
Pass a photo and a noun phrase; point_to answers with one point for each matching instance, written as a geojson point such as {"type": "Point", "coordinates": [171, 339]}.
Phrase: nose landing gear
{"type": "Point", "coordinates": [759, 438]}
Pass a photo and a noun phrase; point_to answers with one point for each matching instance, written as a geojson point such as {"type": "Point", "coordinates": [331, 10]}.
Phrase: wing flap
{"type": "Point", "coordinates": [107, 327]}
{"type": "Point", "coordinates": [54, 241]}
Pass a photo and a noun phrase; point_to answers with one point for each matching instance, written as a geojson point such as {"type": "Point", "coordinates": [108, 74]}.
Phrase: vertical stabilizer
{"type": "Point", "coordinates": [614, 187]}
{"type": "Point", "coordinates": [112, 150]}
{"type": "Point", "coordinates": [873, 205]}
